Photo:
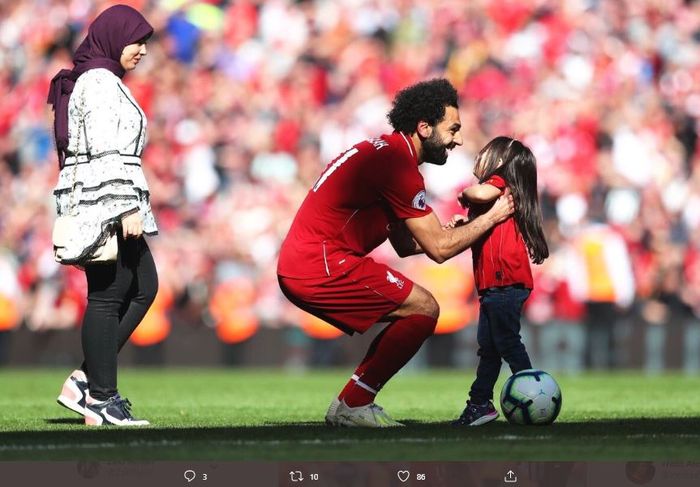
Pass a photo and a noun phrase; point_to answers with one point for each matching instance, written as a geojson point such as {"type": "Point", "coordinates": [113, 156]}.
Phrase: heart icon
{"type": "Point", "coordinates": [403, 475]}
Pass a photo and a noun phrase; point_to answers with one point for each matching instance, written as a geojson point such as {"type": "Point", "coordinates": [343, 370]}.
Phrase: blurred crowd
{"type": "Point", "coordinates": [248, 100]}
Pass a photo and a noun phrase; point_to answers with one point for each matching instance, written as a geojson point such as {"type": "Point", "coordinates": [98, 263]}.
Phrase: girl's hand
{"type": "Point", "coordinates": [456, 221]}
{"type": "Point", "coordinates": [132, 225]}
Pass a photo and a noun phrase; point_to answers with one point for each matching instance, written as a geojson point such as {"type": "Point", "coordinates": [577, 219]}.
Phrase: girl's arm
{"type": "Point", "coordinates": [478, 193]}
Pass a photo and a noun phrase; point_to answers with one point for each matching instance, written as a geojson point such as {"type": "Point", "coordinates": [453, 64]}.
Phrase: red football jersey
{"type": "Point", "coordinates": [500, 257]}
{"type": "Point", "coordinates": [345, 214]}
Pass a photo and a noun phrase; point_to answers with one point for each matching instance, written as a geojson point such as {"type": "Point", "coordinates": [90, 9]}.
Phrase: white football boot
{"type": "Point", "coordinates": [368, 416]}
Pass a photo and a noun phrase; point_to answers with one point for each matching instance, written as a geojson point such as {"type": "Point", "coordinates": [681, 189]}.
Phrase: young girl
{"type": "Point", "coordinates": [501, 266]}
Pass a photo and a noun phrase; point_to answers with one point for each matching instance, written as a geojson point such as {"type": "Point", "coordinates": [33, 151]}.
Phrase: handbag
{"type": "Point", "coordinates": [67, 225]}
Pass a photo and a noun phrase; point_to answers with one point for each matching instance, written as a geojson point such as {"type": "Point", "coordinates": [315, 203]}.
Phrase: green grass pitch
{"type": "Point", "coordinates": [218, 414]}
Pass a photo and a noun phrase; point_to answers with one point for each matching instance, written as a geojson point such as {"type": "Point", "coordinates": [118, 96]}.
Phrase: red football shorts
{"type": "Point", "coordinates": [355, 299]}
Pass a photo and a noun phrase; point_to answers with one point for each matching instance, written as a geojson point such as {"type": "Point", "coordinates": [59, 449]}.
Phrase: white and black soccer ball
{"type": "Point", "coordinates": [531, 397]}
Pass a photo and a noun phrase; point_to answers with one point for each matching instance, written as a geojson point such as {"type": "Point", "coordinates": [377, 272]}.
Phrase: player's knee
{"type": "Point", "coordinates": [431, 307]}
{"type": "Point", "coordinates": [420, 302]}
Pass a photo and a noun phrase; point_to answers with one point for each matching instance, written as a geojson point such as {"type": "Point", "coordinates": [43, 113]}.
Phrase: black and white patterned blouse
{"type": "Point", "coordinates": [107, 134]}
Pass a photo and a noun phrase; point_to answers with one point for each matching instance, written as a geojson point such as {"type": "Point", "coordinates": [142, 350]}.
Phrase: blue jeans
{"type": "Point", "coordinates": [498, 336]}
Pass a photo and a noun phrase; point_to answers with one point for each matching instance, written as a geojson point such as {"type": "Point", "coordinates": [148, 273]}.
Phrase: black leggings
{"type": "Point", "coordinates": [119, 296]}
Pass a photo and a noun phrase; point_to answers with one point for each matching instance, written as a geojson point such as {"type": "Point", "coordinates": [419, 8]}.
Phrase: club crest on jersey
{"type": "Point", "coordinates": [394, 280]}
{"type": "Point", "coordinates": [419, 200]}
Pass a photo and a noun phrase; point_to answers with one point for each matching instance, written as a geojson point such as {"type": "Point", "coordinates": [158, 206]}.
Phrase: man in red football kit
{"type": "Point", "coordinates": [372, 192]}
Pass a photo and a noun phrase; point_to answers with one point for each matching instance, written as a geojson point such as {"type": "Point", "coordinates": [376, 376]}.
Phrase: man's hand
{"type": "Point", "coordinates": [132, 225]}
{"type": "Point", "coordinates": [441, 243]}
{"type": "Point", "coordinates": [502, 208]}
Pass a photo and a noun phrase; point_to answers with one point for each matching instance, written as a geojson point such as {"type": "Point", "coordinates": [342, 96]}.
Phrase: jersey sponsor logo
{"type": "Point", "coordinates": [419, 200]}
{"type": "Point", "coordinates": [394, 280]}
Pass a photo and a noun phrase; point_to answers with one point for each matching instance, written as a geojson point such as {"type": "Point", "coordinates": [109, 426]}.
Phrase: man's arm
{"type": "Point", "coordinates": [402, 240]}
{"type": "Point", "coordinates": [441, 244]}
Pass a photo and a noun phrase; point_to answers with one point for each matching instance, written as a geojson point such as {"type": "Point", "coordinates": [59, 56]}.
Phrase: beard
{"type": "Point", "coordinates": [433, 150]}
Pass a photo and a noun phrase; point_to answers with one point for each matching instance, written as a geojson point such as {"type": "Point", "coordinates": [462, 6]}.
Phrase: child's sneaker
{"type": "Point", "coordinates": [476, 414]}
{"type": "Point", "coordinates": [74, 392]}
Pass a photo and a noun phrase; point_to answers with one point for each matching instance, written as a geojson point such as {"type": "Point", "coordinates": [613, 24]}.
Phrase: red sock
{"type": "Point", "coordinates": [348, 387]}
{"type": "Point", "coordinates": [389, 351]}
{"type": "Point", "coordinates": [360, 370]}
{"type": "Point", "coordinates": [357, 395]}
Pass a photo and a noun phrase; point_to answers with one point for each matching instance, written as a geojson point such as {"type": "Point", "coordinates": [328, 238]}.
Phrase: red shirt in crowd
{"type": "Point", "coordinates": [345, 214]}
{"type": "Point", "coordinates": [500, 257]}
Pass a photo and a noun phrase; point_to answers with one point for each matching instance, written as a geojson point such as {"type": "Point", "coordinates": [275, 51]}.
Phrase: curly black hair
{"type": "Point", "coordinates": [424, 101]}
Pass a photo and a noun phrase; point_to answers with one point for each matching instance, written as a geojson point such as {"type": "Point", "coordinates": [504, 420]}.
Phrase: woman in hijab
{"type": "Point", "coordinates": [100, 134]}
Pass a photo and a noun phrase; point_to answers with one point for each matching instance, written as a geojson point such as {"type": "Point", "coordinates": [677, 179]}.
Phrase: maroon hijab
{"type": "Point", "coordinates": [109, 33]}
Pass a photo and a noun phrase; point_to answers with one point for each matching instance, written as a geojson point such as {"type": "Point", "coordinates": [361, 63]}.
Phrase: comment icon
{"type": "Point", "coordinates": [190, 475]}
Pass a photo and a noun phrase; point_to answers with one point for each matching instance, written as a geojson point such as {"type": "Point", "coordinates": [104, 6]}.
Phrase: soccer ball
{"type": "Point", "coordinates": [531, 397]}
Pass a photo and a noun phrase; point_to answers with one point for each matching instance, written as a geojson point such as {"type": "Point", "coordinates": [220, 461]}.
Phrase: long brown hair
{"type": "Point", "coordinates": [516, 164]}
